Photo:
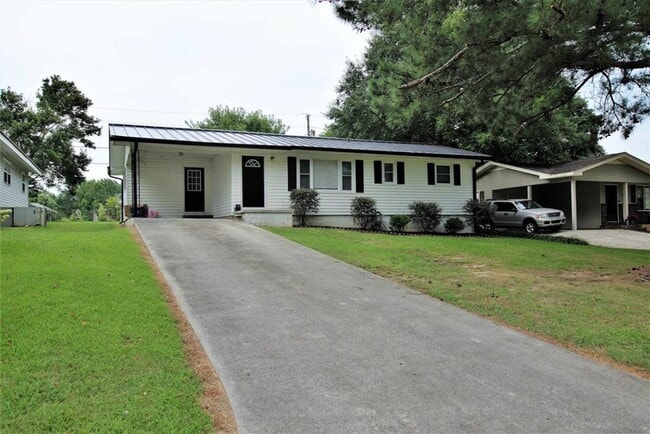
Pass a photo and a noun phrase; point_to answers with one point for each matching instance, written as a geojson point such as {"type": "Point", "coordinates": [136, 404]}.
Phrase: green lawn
{"type": "Point", "coordinates": [87, 340]}
{"type": "Point", "coordinates": [584, 297]}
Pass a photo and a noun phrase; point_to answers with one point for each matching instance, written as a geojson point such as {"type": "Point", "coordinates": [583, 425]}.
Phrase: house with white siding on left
{"type": "Point", "coordinates": [185, 172]}
{"type": "Point", "coordinates": [14, 188]}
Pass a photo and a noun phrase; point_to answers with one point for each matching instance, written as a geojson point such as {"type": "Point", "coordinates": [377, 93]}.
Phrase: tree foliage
{"type": "Point", "coordinates": [495, 76]}
{"type": "Point", "coordinates": [95, 193]}
{"type": "Point", "coordinates": [48, 132]}
{"type": "Point", "coordinates": [238, 119]}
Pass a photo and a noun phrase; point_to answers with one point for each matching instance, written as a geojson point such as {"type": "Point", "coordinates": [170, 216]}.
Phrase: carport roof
{"type": "Point", "coordinates": [572, 168]}
{"type": "Point", "coordinates": [219, 138]}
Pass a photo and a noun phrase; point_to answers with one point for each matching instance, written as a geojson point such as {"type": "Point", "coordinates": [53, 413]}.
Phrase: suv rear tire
{"type": "Point", "coordinates": [530, 227]}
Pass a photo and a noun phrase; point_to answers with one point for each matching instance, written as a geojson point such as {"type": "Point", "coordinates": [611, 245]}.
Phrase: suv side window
{"type": "Point", "coordinates": [505, 207]}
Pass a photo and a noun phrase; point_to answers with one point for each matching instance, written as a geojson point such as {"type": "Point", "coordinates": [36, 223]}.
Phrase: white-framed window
{"type": "Point", "coordinates": [24, 183]}
{"type": "Point", "coordinates": [304, 174]}
{"type": "Point", "coordinates": [326, 174]}
{"type": "Point", "coordinates": [319, 174]}
{"type": "Point", "coordinates": [194, 181]}
{"type": "Point", "coordinates": [6, 172]}
{"type": "Point", "coordinates": [346, 175]}
{"type": "Point", "coordinates": [443, 174]}
{"type": "Point", "coordinates": [389, 173]}
{"type": "Point", "coordinates": [643, 197]}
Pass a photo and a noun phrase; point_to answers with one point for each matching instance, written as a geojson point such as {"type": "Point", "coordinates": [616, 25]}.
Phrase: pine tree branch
{"type": "Point", "coordinates": [532, 119]}
{"type": "Point", "coordinates": [421, 80]}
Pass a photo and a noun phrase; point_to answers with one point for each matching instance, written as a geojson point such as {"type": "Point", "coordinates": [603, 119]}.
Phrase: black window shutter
{"type": "Point", "coordinates": [358, 173]}
{"type": "Point", "coordinates": [378, 174]}
{"type": "Point", "coordinates": [291, 173]}
{"type": "Point", "coordinates": [431, 174]}
{"type": "Point", "coordinates": [456, 174]}
{"type": "Point", "coordinates": [400, 172]}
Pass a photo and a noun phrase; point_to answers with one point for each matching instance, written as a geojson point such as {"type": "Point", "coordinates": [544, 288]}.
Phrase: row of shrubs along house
{"type": "Point", "coordinates": [184, 172]}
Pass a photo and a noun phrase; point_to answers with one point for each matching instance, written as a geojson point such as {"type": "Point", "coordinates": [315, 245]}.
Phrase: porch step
{"type": "Point", "coordinates": [197, 216]}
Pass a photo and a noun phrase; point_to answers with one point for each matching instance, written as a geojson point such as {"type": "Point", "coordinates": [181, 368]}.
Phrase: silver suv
{"type": "Point", "coordinates": [526, 213]}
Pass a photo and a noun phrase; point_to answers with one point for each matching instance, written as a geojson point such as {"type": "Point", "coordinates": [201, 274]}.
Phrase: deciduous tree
{"type": "Point", "coordinates": [238, 119]}
{"type": "Point", "coordinates": [48, 132]}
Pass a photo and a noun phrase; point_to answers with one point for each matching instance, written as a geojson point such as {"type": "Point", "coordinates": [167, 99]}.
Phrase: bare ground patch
{"type": "Point", "coordinates": [213, 399]}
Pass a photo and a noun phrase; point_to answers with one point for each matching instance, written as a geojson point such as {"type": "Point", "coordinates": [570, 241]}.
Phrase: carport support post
{"type": "Point", "coordinates": [529, 192]}
{"type": "Point", "coordinates": [574, 206]}
{"type": "Point", "coordinates": [626, 201]}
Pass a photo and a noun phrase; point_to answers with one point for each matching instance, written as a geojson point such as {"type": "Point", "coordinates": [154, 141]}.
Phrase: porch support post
{"type": "Point", "coordinates": [529, 192]}
{"type": "Point", "coordinates": [574, 206]}
{"type": "Point", "coordinates": [626, 201]}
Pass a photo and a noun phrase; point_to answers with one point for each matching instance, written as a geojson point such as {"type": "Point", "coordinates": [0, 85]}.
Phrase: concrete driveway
{"type": "Point", "coordinates": [618, 238]}
{"type": "Point", "coordinates": [305, 343]}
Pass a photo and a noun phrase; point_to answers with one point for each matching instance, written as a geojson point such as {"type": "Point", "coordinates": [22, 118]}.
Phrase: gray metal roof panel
{"type": "Point", "coordinates": [218, 137]}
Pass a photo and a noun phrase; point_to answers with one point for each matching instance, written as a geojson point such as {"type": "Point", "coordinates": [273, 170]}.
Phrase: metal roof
{"type": "Point", "coordinates": [197, 137]}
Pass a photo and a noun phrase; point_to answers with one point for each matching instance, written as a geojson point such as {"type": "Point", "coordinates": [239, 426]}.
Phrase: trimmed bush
{"type": "Point", "coordinates": [480, 215]}
{"type": "Point", "coordinates": [453, 225]}
{"type": "Point", "coordinates": [364, 213]}
{"type": "Point", "coordinates": [426, 215]}
{"type": "Point", "coordinates": [303, 202]}
{"type": "Point", "coordinates": [398, 222]}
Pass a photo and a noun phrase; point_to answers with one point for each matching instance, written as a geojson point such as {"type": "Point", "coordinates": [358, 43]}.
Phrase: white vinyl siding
{"type": "Point", "coordinates": [222, 173]}
{"type": "Point", "coordinates": [12, 194]}
{"type": "Point", "coordinates": [162, 182]}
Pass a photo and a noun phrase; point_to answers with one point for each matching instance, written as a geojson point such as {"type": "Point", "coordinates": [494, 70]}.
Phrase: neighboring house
{"type": "Point", "coordinates": [183, 172]}
{"type": "Point", "coordinates": [14, 189]}
{"type": "Point", "coordinates": [593, 192]}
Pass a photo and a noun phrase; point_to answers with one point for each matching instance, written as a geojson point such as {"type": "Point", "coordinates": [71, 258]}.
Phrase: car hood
{"type": "Point", "coordinates": [542, 210]}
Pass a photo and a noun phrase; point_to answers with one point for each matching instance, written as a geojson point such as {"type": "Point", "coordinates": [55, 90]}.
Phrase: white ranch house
{"type": "Point", "coordinates": [183, 172]}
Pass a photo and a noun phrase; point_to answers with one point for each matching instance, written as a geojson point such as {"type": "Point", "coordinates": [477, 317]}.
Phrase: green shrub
{"type": "Point", "coordinates": [426, 215]}
{"type": "Point", "coordinates": [364, 213]}
{"type": "Point", "coordinates": [4, 214]}
{"type": "Point", "coordinates": [398, 222]}
{"type": "Point", "coordinates": [453, 225]}
{"type": "Point", "coordinates": [303, 202]}
{"type": "Point", "coordinates": [112, 206]}
{"type": "Point", "coordinates": [480, 215]}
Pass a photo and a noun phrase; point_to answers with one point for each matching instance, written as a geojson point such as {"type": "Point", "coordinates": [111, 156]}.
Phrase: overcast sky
{"type": "Point", "coordinates": [164, 62]}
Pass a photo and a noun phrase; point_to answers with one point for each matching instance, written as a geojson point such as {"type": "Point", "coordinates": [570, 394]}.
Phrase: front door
{"type": "Point", "coordinates": [194, 190]}
{"type": "Point", "coordinates": [252, 182]}
{"type": "Point", "coordinates": [611, 202]}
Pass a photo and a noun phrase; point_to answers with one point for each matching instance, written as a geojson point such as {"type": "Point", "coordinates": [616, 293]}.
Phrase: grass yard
{"type": "Point", "coordinates": [88, 343]}
{"type": "Point", "coordinates": [583, 297]}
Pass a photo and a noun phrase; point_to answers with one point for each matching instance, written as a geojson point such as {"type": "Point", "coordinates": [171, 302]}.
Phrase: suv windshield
{"type": "Point", "coordinates": [527, 204]}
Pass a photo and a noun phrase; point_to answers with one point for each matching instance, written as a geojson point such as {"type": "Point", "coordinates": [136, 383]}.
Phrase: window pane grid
{"type": "Point", "coordinates": [194, 181]}
{"type": "Point", "coordinates": [388, 172]}
{"type": "Point", "coordinates": [443, 175]}
{"type": "Point", "coordinates": [346, 175]}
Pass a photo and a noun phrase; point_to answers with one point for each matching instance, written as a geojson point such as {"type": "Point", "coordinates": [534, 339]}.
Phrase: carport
{"type": "Point", "coordinates": [593, 193]}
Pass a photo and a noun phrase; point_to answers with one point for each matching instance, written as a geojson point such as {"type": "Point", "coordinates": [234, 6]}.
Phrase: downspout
{"type": "Point", "coordinates": [134, 181]}
{"type": "Point", "coordinates": [121, 194]}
